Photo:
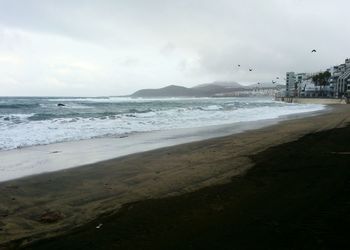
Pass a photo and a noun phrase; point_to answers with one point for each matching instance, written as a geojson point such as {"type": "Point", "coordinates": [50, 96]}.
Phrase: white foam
{"type": "Point", "coordinates": [29, 133]}
{"type": "Point", "coordinates": [48, 158]}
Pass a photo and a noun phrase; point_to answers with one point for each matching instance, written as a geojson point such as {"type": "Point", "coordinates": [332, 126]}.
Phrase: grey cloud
{"type": "Point", "coordinates": [186, 40]}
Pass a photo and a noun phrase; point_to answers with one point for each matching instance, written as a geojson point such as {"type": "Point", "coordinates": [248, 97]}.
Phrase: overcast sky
{"type": "Point", "coordinates": [114, 47]}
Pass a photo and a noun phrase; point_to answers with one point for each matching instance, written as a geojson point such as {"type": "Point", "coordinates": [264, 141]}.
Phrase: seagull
{"type": "Point", "coordinates": [250, 69]}
{"type": "Point", "coordinates": [99, 226]}
{"type": "Point", "coordinates": [239, 65]}
{"type": "Point", "coordinates": [313, 51]}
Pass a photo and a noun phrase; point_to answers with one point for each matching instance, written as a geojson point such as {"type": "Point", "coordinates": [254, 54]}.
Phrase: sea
{"type": "Point", "coordinates": [31, 121]}
{"type": "Point", "coordinates": [46, 134]}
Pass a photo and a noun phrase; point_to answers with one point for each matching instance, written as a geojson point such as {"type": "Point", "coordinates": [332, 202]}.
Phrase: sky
{"type": "Point", "coordinates": [115, 47]}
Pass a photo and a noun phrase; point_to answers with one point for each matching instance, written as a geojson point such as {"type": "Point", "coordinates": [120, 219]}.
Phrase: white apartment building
{"type": "Point", "coordinates": [294, 83]}
{"type": "Point", "coordinates": [290, 83]}
{"type": "Point", "coordinates": [341, 79]}
{"type": "Point", "coordinates": [300, 84]}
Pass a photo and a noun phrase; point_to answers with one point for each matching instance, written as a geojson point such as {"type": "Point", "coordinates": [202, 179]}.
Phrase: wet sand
{"type": "Point", "coordinates": [56, 203]}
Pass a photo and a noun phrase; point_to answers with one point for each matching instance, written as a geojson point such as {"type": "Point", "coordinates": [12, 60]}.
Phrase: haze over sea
{"type": "Point", "coordinates": [29, 121]}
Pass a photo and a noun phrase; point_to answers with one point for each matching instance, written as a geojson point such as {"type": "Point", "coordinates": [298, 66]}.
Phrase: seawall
{"type": "Point", "coordinates": [312, 100]}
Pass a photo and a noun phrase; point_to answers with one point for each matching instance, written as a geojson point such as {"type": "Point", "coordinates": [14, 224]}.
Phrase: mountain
{"type": "Point", "coordinates": [221, 84]}
{"type": "Point", "coordinates": [267, 85]}
{"type": "Point", "coordinates": [168, 91]}
{"type": "Point", "coordinates": [203, 90]}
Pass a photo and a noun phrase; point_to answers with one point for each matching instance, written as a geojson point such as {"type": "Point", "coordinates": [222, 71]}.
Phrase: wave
{"type": "Point", "coordinates": [15, 118]}
{"type": "Point", "coordinates": [18, 106]}
{"type": "Point", "coordinates": [77, 99]}
{"type": "Point", "coordinates": [22, 130]}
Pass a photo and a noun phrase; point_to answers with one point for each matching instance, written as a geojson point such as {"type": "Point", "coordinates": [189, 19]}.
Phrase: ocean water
{"type": "Point", "coordinates": [29, 121]}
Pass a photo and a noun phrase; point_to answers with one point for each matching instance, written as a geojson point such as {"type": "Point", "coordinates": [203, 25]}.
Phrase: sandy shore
{"type": "Point", "coordinates": [54, 203]}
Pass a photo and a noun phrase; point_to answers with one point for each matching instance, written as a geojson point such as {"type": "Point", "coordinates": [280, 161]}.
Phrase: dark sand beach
{"type": "Point", "coordinates": [286, 186]}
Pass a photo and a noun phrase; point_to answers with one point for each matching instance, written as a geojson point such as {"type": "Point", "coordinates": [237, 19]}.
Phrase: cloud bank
{"type": "Point", "coordinates": [90, 48]}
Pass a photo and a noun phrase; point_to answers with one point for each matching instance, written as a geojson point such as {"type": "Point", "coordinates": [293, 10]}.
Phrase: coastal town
{"type": "Point", "coordinates": [333, 83]}
{"type": "Point", "coordinates": [330, 86]}
{"type": "Point", "coordinates": [174, 125]}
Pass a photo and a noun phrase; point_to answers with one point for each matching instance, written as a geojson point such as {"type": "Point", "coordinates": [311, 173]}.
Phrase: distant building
{"type": "Point", "coordinates": [294, 83]}
{"type": "Point", "coordinates": [258, 90]}
{"type": "Point", "coordinates": [338, 85]}
{"type": "Point", "coordinates": [341, 79]}
{"type": "Point", "coordinates": [290, 83]}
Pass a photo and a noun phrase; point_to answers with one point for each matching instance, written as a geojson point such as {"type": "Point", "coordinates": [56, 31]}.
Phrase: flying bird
{"type": "Point", "coordinates": [250, 69]}
{"type": "Point", "coordinates": [273, 82]}
{"type": "Point", "coordinates": [313, 51]}
{"type": "Point", "coordinates": [239, 65]}
{"type": "Point", "coordinates": [277, 77]}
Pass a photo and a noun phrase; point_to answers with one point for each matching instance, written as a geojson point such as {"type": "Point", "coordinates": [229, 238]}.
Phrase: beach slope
{"type": "Point", "coordinates": [59, 203]}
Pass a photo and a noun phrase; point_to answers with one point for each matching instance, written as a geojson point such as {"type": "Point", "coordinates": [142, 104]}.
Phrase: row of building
{"type": "Point", "coordinates": [337, 85]}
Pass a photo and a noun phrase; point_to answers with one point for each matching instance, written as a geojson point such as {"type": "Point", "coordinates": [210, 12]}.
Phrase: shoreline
{"type": "Point", "coordinates": [84, 194]}
{"type": "Point", "coordinates": [40, 159]}
{"type": "Point", "coordinates": [295, 197]}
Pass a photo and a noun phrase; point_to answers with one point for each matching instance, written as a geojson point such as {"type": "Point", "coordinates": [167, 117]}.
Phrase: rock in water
{"type": "Point", "coordinates": [60, 105]}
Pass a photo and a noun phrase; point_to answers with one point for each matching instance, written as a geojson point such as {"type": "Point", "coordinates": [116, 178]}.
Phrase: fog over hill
{"type": "Point", "coordinates": [266, 85]}
{"type": "Point", "coordinates": [221, 83]}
